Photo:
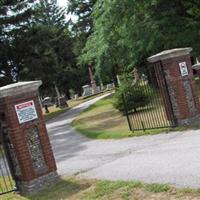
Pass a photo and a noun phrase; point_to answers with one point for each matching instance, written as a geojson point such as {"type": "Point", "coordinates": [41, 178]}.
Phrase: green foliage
{"type": "Point", "coordinates": [126, 32]}
{"type": "Point", "coordinates": [82, 9]}
{"type": "Point", "coordinates": [49, 116]}
{"type": "Point", "coordinates": [83, 26]}
{"type": "Point", "coordinates": [50, 14]}
{"type": "Point", "coordinates": [14, 19]}
{"type": "Point", "coordinates": [35, 43]}
{"type": "Point", "coordinates": [81, 29]}
{"type": "Point", "coordinates": [134, 95]}
{"type": "Point", "coordinates": [108, 187]}
{"type": "Point", "coordinates": [79, 189]}
{"type": "Point", "coordinates": [72, 93]}
{"type": "Point", "coordinates": [157, 188]}
{"type": "Point", "coordinates": [44, 52]}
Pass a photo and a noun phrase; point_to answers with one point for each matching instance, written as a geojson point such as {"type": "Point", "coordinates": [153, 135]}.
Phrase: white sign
{"type": "Point", "coordinates": [26, 112]}
{"type": "Point", "coordinates": [183, 68]}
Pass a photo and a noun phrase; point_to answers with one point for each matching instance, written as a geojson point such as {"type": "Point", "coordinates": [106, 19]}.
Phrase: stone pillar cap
{"type": "Point", "coordinates": [169, 54]}
{"type": "Point", "coordinates": [19, 88]}
{"type": "Point", "coordinates": [196, 66]}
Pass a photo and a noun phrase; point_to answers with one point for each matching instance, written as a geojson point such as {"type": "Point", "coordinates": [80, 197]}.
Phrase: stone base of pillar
{"type": "Point", "coordinates": [38, 184]}
{"type": "Point", "coordinates": [188, 121]}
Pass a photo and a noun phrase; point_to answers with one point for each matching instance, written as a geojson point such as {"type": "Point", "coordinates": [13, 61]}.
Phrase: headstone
{"type": "Point", "coordinates": [102, 87]}
{"type": "Point", "coordinates": [87, 90]}
{"type": "Point", "coordinates": [76, 96]}
{"type": "Point", "coordinates": [98, 89]}
{"type": "Point", "coordinates": [110, 86]}
{"type": "Point", "coordinates": [63, 102]}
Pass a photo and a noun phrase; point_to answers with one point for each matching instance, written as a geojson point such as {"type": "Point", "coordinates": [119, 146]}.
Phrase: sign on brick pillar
{"type": "Point", "coordinates": [32, 155]}
{"type": "Point", "coordinates": [178, 73]}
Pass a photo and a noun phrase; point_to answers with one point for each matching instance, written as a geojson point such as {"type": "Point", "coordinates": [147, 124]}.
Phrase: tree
{"type": "Point", "coordinates": [46, 48]}
{"type": "Point", "coordinates": [82, 9]}
{"type": "Point", "coordinates": [37, 44]}
{"type": "Point", "coordinates": [50, 14]}
{"type": "Point", "coordinates": [178, 25]}
{"type": "Point", "coordinates": [14, 18]}
{"type": "Point", "coordinates": [127, 32]}
{"type": "Point", "coordinates": [82, 29]}
{"type": "Point", "coordinates": [104, 47]}
{"type": "Point", "coordinates": [37, 54]}
{"type": "Point", "coordinates": [46, 51]}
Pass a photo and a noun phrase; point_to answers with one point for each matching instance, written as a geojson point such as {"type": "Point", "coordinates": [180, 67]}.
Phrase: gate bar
{"type": "Point", "coordinates": [126, 112]}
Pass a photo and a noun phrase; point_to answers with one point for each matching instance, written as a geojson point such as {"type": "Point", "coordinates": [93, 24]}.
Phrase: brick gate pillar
{"type": "Point", "coordinates": [29, 146]}
{"type": "Point", "coordinates": [177, 68]}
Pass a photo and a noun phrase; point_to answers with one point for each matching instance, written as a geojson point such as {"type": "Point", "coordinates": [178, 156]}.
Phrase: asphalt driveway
{"type": "Point", "coordinates": [172, 158]}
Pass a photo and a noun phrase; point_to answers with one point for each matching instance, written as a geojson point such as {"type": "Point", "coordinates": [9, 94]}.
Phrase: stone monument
{"type": "Point", "coordinates": [87, 90]}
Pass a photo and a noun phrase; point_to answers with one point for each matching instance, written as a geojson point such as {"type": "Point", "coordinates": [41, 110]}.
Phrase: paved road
{"type": "Point", "coordinates": [166, 158]}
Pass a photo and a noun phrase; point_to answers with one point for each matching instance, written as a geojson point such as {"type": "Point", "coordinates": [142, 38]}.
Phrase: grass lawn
{"type": "Point", "coordinates": [76, 189]}
{"type": "Point", "coordinates": [54, 111]}
{"type": "Point", "coordinates": [103, 121]}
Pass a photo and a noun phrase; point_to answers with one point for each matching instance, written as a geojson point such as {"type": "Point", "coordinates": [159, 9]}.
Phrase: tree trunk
{"type": "Point", "coordinates": [57, 94]}
{"type": "Point", "coordinates": [114, 77]}
{"type": "Point", "coordinates": [67, 94]}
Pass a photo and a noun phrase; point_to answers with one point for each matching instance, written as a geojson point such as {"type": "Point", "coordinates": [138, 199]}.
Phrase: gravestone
{"type": "Point", "coordinates": [31, 152]}
{"type": "Point", "coordinates": [98, 90]}
{"type": "Point", "coordinates": [87, 90]}
{"type": "Point", "coordinates": [110, 86]}
{"type": "Point", "coordinates": [62, 102]}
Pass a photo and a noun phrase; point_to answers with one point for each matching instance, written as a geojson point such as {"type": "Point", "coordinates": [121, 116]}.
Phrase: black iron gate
{"type": "Point", "coordinates": [148, 105]}
{"type": "Point", "coordinates": [7, 181]}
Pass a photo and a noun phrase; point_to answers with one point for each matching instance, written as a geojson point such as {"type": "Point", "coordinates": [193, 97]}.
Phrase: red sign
{"type": "Point", "coordinates": [26, 112]}
{"type": "Point", "coordinates": [24, 105]}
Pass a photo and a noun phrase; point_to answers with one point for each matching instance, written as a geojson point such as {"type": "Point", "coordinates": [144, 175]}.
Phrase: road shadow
{"type": "Point", "coordinates": [66, 143]}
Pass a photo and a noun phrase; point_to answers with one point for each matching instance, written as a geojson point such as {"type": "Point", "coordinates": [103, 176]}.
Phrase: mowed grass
{"type": "Point", "coordinates": [55, 111]}
{"type": "Point", "coordinates": [103, 121]}
{"type": "Point", "coordinates": [79, 189]}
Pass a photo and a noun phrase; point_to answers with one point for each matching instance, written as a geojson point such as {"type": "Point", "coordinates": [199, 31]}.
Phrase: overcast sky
{"type": "Point", "coordinates": [62, 2]}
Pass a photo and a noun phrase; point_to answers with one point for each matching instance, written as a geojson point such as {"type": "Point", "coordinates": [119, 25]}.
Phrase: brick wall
{"type": "Point", "coordinates": [24, 151]}
{"type": "Point", "coordinates": [182, 90]}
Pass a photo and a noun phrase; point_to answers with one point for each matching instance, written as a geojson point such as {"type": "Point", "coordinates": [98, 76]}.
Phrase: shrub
{"type": "Point", "coordinates": [135, 97]}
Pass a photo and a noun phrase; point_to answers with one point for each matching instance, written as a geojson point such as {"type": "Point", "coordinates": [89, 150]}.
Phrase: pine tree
{"type": "Point", "coordinates": [84, 25]}
{"type": "Point", "coordinates": [82, 9]}
{"type": "Point", "coordinates": [14, 18]}
{"type": "Point", "coordinates": [46, 48]}
{"type": "Point", "coordinates": [50, 14]}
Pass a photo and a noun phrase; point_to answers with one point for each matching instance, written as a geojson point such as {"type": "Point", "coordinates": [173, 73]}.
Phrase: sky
{"type": "Point", "coordinates": [63, 3]}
